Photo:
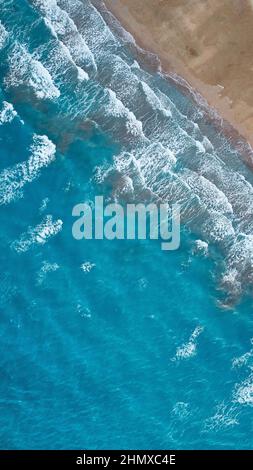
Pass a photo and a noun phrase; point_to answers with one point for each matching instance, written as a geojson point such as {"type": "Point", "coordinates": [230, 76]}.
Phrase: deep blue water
{"type": "Point", "coordinates": [116, 344]}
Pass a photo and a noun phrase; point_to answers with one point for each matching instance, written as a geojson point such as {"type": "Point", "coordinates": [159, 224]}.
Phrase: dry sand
{"type": "Point", "coordinates": [207, 42]}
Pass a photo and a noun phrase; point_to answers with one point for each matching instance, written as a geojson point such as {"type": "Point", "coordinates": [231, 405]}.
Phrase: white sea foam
{"type": "Point", "coordinates": [82, 75]}
{"type": "Point", "coordinates": [135, 65]}
{"type": "Point", "coordinates": [137, 97]}
{"type": "Point", "coordinates": [26, 71]}
{"type": "Point", "coordinates": [211, 196]}
{"type": "Point", "coordinates": [238, 273]}
{"type": "Point", "coordinates": [83, 311]}
{"type": "Point", "coordinates": [115, 109]}
{"type": "Point", "coordinates": [243, 393]}
{"type": "Point", "coordinates": [200, 147]}
{"type": "Point", "coordinates": [87, 266]}
{"type": "Point", "coordinates": [3, 35]}
{"type": "Point", "coordinates": [244, 359]}
{"type": "Point", "coordinates": [91, 25]}
{"type": "Point", "coordinates": [208, 146]}
{"type": "Point", "coordinates": [233, 185]}
{"type": "Point", "coordinates": [145, 165]}
{"type": "Point", "coordinates": [7, 113]}
{"type": "Point", "coordinates": [181, 410]}
{"type": "Point", "coordinates": [143, 101]}
{"type": "Point", "coordinates": [200, 247]}
{"type": "Point", "coordinates": [154, 101]}
{"type": "Point", "coordinates": [218, 229]}
{"type": "Point", "coordinates": [44, 204]}
{"type": "Point", "coordinates": [46, 268]}
{"type": "Point", "coordinates": [189, 349]}
{"type": "Point", "coordinates": [50, 28]}
{"type": "Point", "coordinates": [14, 178]}
{"type": "Point", "coordinates": [127, 165]}
{"type": "Point", "coordinates": [38, 235]}
{"type": "Point", "coordinates": [154, 161]}
{"type": "Point", "coordinates": [179, 118]}
{"type": "Point", "coordinates": [225, 416]}
{"type": "Point", "coordinates": [63, 27]}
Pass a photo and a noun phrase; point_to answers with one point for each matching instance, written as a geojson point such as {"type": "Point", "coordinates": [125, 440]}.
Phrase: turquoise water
{"type": "Point", "coordinates": [116, 344]}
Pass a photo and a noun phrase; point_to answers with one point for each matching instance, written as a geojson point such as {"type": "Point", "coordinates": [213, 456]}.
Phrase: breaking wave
{"type": "Point", "coordinates": [38, 235]}
{"type": "Point", "coordinates": [13, 179]}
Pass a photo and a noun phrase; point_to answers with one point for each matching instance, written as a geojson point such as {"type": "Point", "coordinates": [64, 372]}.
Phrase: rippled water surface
{"type": "Point", "coordinates": [116, 344]}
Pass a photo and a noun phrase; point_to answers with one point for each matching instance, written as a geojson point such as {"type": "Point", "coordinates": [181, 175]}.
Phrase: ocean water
{"type": "Point", "coordinates": [116, 344]}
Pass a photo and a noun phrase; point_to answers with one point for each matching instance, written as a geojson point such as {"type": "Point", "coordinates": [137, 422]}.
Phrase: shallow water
{"type": "Point", "coordinates": [116, 344]}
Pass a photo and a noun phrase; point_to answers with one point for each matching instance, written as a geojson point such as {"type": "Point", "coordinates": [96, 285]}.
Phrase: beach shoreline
{"type": "Point", "coordinates": [217, 96]}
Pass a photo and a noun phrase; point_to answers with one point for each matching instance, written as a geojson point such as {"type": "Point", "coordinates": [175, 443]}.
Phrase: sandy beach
{"type": "Point", "coordinates": [208, 42]}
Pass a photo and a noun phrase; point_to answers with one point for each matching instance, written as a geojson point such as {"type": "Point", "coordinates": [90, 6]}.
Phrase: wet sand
{"type": "Point", "coordinates": [208, 42]}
